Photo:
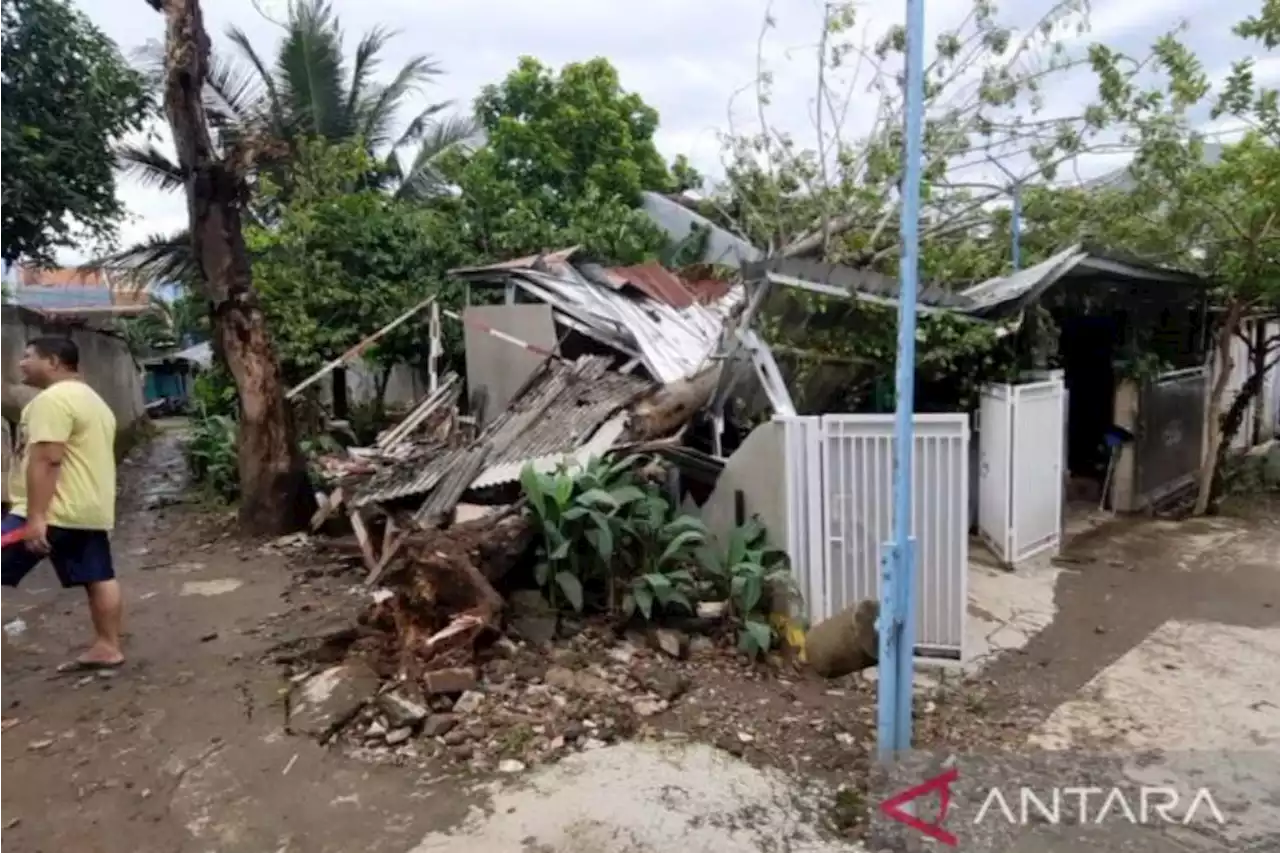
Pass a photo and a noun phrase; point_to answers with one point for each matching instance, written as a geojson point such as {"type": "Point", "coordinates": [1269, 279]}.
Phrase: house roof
{"type": "Point", "coordinates": [645, 312]}
{"type": "Point", "coordinates": [678, 221]}
{"type": "Point", "coordinates": [1007, 294]}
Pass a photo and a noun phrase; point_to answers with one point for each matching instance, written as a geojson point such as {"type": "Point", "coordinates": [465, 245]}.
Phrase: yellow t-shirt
{"type": "Point", "coordinates": [71, 413]}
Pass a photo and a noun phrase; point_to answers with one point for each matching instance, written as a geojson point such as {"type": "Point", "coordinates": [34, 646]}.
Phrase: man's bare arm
{"type": "Point", "coordinates": [44, 463]}
{"type": "Point", "coordinates": [14, 398]}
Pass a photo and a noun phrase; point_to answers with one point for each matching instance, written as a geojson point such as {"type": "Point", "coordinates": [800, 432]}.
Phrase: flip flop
{"type": "Point", "coordinates": [88, 666]}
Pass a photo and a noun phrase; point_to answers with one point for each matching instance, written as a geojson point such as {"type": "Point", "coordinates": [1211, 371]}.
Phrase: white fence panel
{"type": "Point", "coordinates": [995, 424]}
{"type": "Point", "coordinates": [1039, 413]}
{"type": "Point", "coordinates": [1022, 440]}
{"type": "Point", "coordinates": [850, 515]}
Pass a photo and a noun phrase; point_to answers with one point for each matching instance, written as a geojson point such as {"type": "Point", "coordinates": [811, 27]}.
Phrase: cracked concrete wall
{"type": "Point", "coordinates": [757, 469]}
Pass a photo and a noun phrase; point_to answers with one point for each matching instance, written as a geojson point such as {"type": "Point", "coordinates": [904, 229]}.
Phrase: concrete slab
{"type": "Point", "coordinates": [644, 798]}
{"type": "Point", "coordinates": [1007, 609]}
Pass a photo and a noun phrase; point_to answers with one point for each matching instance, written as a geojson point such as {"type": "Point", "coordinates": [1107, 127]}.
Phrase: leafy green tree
{"type": "Point", "coordinates": [67, 93]}
{"type": "Point", "coordinates": [1219, 218]}
{"type": "Point", "coordinates": [344, 259]}
{"type": "Point", "coordinates": [985, 135]}
{"type": "Point", "coordinates": [566, 158]}
{"type": "Point", "coordinates": [269, 110]}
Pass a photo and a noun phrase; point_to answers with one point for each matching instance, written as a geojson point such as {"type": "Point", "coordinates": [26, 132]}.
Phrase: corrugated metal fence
{"type": "Point", "coordinates": [1170, 435]}
{"type": "Point", "coordinates": [839, 479]}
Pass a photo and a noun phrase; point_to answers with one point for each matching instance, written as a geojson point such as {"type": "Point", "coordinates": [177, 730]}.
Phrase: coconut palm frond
{"type": "Point", "coordinates": [274, 107]}
{"type": "Point", "coordinates": [377, 113]}
{"type": "Point", "coordinates": [366, 63]}
{"type": "Point", "coordinates": [310, 72]}
{"type": "Point", "coordinates": [158, 258]}
{"type": "Point", "coordinates": [423, 179]}
{"type": "Point", "coordinates": [150, 166]}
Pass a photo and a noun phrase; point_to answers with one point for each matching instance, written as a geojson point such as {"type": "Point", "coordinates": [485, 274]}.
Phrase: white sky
{"type": "Point", "coordinates": [686, 59]}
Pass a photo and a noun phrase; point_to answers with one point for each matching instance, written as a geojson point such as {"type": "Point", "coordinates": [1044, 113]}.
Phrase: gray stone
{"type": "Point", "coordinates": [395, 737]}
{"type": "Point", "coordinates": [711, 609]}
{"type": "Point", "coordinates": [327, 701]}
{"type": "Point", "coordinates": [438, 725]}
{"type": "Point", "coordinates": [400, 709]}
{"type": "Point", "coordinates": [671, 642]}
{"type": "Point", "coordinates": [510, 765]}
{"type": "Point", "coordinates": [669, 685]}
{"type": "Point", "coordinates": [469, 702]}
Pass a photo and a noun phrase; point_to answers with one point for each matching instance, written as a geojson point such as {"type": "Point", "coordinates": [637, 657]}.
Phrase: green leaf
{"type": "Point", "coordinates": [679, 543]}
{"type": "Point", "coordinates": [597, 497]}
{"type": "Point", "coordinates": [675, 596]}
{"type": "Point", "coordinates": [752, 590]}
{"type": "Point", "coordinates": [644, 599]}
{"type": "Point", "coordinates": [542, 572]}
{"type": "Point", "coordinates": [572, 589]}
{"type": "Point", "coordinates": [627, 495]}
{"type": "Point", "coordinates": [604, 538]}
{"type": "Point", "coordinates": [628, 605]}
{"type": "Point", "coordinates": [563, 489]}
{"type": "Point", "coordinates": [756, 637]}
{"type": "Point", "coordinates": [531, 485]}
{"type": "Point", "coordinates": [561, 551]}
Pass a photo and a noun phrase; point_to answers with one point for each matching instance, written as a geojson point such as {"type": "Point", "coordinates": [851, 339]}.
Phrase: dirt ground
{"type": "Point", "coordinates": [185, 750]}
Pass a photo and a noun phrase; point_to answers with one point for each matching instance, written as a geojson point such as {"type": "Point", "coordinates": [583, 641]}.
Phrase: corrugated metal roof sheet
{"type": "Point", "coordinates": [556, 258]}
{"type": "Point", "coordinates": [654, 281]}
{"type": "Point", "coordinates": [560, 410]}
{"type": "Point", "coordinates": [674, 343]}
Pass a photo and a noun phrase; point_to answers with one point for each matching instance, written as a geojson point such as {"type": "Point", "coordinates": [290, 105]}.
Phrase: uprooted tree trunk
{"type": "Point", "coordinates": [275, 495]}
{"type": "Point", "coordinates": [1222, 367]}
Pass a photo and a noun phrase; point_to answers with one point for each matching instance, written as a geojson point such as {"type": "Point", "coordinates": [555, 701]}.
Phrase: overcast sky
{"type": "Point", "coordinates": [686, 59]}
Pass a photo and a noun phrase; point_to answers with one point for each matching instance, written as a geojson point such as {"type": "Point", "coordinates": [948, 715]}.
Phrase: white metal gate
{"type": "Point", "coordinates": [1021, 436]}
{"type": "Point", "coordinates": [839, 481]}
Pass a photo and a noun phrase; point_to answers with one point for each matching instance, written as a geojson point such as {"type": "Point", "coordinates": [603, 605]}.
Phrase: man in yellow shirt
{"type": "Point", "coordinates": [63, 491]}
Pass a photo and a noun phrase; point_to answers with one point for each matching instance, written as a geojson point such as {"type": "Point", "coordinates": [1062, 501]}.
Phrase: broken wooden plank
{"type": "Point", "coordinates": [356, 350]}
{"type": "Point", "coordinates": [326, 507]}
{"type": "Point", "coordinates": [366, 543]}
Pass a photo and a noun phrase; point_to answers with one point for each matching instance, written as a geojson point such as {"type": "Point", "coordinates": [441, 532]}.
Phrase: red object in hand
{"type": "Point", "coordinates": [13, 536]}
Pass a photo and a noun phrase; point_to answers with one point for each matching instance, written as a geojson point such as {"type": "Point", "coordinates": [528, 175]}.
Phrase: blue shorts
{"type": "Point", "coordinates": [80, 557]}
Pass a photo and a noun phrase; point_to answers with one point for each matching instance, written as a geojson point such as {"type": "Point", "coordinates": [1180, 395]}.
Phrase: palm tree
{"type": "Point", "coordinates": [267, 110]}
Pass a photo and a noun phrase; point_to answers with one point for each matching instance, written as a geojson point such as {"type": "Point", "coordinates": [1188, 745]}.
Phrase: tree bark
{"type": "Point", "coordinates": [1222, 367]}
{"type": "Point", "coordinates": [275, 495]}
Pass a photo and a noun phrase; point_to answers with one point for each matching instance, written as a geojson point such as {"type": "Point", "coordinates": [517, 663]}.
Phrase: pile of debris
{"type": "Point", "coordinates": [434, 504]}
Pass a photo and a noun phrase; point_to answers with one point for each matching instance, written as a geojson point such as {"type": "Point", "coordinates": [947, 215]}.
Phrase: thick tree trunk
{"type": "Point", "coordinates": [275, 496]}
{"type": "Point", "coordinates": [1222, 367]}
{"type": "Point", "coordinates": [1232, 421]}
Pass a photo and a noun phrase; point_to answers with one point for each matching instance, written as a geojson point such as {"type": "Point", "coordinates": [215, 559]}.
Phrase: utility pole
{"type": "Point", "coordinates": [897, 559]}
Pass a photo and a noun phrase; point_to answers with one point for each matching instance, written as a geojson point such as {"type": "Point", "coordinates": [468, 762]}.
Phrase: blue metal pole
{"type": "Point", "coordinates": [897, 634]}
{"type": "Point", "coordinates": [1017, 227]}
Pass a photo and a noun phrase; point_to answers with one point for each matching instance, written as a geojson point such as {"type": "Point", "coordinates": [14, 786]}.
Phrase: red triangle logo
{"type": "Point", "coordinates": [941, 783]}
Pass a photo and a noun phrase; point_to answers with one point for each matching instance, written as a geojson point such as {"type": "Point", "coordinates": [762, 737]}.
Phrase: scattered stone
{"type": "Point", "coordinates": [671, 642]}
{"type": "Point", "coordinates": [510, 765]}
{"type": "Point", "coordinates": [532, 617]}
{"type": "Point", "coordinates": [730, 745]}
{"type": "Point", "coordinates": [400, 709]}
{"type": "Point", "coordinates": [469, 702]}
{"type": "Point", "coordinates": [439, 725]}
{"type": "Point", "coordinates": [459, 679]}
{"type": "Point", "coordinates": [209, 637]}
{"type": "Point", "coordinates": [377, 729]}
{"type": "Point", "coordinates": [593, 743]}
{"type": "Point", "coordinates": [667, 684]}
{"type": "Point", "coordinates": [711, 609]}
{"type": "Point", "coordinates": [456, 737]}
{"type": "Point", "coordinates": [623, 654]}
{"type": "Point", "coordinates": [645, 707]}
{"type": "Point", "coordinates": [1099, 630]}
{"type": "Point", "coordinates": [37, 745]}
{"type": "Point", "coordinates": [327, 701]}
{"type": "Point", "coordinates": [572, 730]}
{"type": "Point", "coordinates": [844, 738]}
{"type": "Point", "coordinates": [395, 737]}
{"type": "Point", "coordinates": [570, 658]}
{"type": "Point", "coordinates": [845, 643]}
{"type": "Point", "coordinates": [745, 737]}
{"type": "Point", "coordinates": [532, 672]}
{"type": "Point", "coordinates": [701, 645]}
{"type": "Point", "coordinates": [560, 678]}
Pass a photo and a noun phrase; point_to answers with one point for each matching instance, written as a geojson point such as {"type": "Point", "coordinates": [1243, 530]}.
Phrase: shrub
{"type": "Point", "coordinates": [749, 575]}
{"type": "Point", "coordinates": [211, 454]}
